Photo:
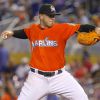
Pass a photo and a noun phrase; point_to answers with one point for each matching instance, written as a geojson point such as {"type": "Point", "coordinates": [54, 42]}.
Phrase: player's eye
{"type": "Point", "coordinates": [51, 16]}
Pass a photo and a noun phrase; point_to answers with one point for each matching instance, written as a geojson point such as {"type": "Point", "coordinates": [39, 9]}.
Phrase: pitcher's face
{"type": "Point", "coordinates": [47, 21]}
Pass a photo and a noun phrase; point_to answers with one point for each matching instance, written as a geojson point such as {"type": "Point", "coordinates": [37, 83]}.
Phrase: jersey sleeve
{"type": "Point", "coordinates": [70, 29]}
{"type": "Point", "coordinates": [27, 32]}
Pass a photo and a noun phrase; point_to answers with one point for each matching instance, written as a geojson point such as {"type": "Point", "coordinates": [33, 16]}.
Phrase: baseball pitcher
{"type": "Point", "coordinates": [47, 40]}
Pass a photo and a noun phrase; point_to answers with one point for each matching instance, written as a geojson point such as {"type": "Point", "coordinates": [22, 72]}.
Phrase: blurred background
{"type": "Point", "coordinates": [82, 61]}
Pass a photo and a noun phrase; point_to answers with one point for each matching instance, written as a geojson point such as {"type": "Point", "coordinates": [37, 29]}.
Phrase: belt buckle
{"type": "Point", "coordinates": [49, 74]}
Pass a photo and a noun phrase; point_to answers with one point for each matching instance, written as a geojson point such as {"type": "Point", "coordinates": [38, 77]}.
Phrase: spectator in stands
{"type": "Point", "coordinates": [20, 13]}
{"type": "Point", "coordinates": [85, 54]}
{"type": "Point", "coordinates": [96, 66]}
{"type": "Point", "coordinates": [11, 68]}
{"type": "Point", "coordinates": [21, 74]}
{"type": "Point", "coordinates": [4, 57]}
{"type": "Point", "coordinates": [96, 20]}
{"type": "Point", "coordinates": [4, 9]}
{"type": "Point", "coordinates": [22, 70]}
{"type": "Point", "coordinates": [86, 59]}
{"type": "Point", "coordinates": [1, 89]}
{"type": "Point", "coordinates": [97, 92]}
{"type": "Point", "coordinates": [6, 95]}
{"type": "Point", "coordinates": [83, 19]}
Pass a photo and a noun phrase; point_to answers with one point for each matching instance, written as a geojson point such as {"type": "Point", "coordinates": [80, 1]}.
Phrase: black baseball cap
{"type": "Point", "coordinates": [48, 9]}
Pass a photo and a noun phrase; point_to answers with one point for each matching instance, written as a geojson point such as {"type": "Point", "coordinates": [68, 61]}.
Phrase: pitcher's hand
{"type": "Point", "coordinates": [6, 34]}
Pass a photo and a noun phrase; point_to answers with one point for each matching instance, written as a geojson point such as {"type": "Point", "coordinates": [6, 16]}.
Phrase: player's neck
{"type": "Point", "coordinates": [42, 26]}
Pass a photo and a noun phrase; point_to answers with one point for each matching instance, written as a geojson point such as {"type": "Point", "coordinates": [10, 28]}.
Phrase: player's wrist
{"type": "Point", "coordinates": [11, 33]}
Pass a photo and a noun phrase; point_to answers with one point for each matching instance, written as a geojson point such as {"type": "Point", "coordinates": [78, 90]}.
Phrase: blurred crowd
{"type": "Point", "coordinates": [77, 11]}
{"type": "Point", "coordinates": [12, 76]}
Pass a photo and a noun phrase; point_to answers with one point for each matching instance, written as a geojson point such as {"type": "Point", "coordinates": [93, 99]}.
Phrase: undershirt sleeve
{"type": "Point", "coordinates": [20, 34]}
{"type": "Point", "coordinates": [86, 28]}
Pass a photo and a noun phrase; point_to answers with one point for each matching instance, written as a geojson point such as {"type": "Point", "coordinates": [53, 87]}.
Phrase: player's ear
{"type": "Point", "coordinates": [41, 16]}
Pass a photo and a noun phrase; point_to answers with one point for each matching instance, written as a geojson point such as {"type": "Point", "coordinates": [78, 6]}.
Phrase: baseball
{"type": "Point", "coordinates": [4, 36]}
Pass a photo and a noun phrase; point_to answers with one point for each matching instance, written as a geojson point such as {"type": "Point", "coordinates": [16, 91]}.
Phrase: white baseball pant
{"type": "Point", "coordinates": [38, 86]}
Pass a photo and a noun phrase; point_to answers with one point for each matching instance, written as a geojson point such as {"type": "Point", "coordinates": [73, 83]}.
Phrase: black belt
{"type": "Point", "coordinates": [47, 74]}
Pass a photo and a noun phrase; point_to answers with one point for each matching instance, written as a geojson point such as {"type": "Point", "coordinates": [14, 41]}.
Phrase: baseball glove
{"type": "Point", "coordinates": [89, 38]}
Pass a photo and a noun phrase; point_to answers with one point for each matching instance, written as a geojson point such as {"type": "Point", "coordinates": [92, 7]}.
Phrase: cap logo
{"type": "Point", "coordinates": [52, 8]}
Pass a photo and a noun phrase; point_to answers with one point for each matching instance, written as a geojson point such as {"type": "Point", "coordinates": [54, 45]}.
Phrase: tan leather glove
{"type": "Point", "coordinates": [89, 38]}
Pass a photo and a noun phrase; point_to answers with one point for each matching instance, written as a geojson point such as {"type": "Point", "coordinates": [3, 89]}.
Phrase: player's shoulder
{"type": "Point", "coordinates": [67, 24]}
{"type": "Point", "coordinates": [61, 25]}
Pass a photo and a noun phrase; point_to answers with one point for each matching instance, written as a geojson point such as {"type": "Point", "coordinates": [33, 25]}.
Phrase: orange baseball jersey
{"type": "Point", "coordinates": [47, 45]}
